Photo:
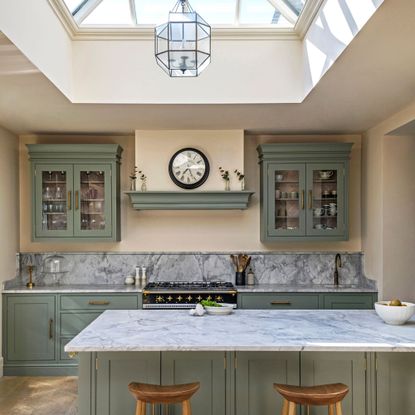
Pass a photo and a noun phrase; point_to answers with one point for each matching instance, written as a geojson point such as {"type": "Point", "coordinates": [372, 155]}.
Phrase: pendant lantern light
{"type": "Point", "coordinates": [182, 45]}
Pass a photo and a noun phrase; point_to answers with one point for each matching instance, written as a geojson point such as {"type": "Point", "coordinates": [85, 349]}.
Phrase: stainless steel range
{"type": "Point", "coordinates": [181, 294]}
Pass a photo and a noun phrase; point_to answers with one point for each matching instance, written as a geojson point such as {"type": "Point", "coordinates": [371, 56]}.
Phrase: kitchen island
{"type": "Point", "coordinates": [238, 357]}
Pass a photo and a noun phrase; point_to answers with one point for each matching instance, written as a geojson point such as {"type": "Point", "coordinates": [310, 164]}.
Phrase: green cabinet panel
{"type": "Point", "coordinates": [113, 374]}
{"type": "Point", "coordinates": [208, 368]}
{"type": "Point", "coordinates": [98, 302]}
{"type": "Point", "coordinates": [319, 368]}
{"type": "Point", "coordinates": [278, 301]}
{"type": "Point", "coordinates": [255, 374]}
{"type": "Point", "coordinates": [344, 301]}
{"type": "Point", "coordinates": [76, 191]}
{"type": "Point", "coordinates": [30, 328]}
{"type": "Point", "coordinates": [73, 323]}
{"type": "Point", "coordinates": [304, 191]}
{"type": "Point", "coordinates": [395, 382]}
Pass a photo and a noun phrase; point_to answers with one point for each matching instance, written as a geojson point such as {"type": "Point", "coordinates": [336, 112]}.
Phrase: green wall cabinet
{"type": "Point", "coordinates": [304, 191]}
{"type": "Point", "coordinates": [36, 328]}
{"type": "Point", "coordinates": [297, 301]}
{"type": "Point", "coordinates": [76, 191]}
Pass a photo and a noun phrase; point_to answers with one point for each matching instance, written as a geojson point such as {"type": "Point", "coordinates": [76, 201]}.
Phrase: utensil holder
{"type": "Point", "coordinates": [240, 278]}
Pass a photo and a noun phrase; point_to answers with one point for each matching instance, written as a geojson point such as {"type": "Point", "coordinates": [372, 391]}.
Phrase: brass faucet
{"type": "Point", "coordinates": [337, 265]}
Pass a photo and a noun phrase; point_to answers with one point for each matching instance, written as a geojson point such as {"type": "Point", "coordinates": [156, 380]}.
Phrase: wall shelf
{"type": "Point", "coordinates": [173, 200]}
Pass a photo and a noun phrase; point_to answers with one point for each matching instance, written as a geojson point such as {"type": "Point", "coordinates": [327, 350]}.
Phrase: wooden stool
{"type": "Point", "coordinates": [156, 394]}
{"type": "Point", "coordinates": [330, 395]}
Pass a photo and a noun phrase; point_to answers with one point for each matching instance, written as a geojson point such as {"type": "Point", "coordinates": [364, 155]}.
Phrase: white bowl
{"type": "Point", "coordinates": [223, 310]}
{"type": "Point", "coordinates": [395, 315]}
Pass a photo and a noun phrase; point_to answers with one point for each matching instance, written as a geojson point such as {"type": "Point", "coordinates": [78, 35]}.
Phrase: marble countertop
{"type": "Point", "coordinates": [86, 288]}
{"type": "Point", "coordinates": [244, 330]}
{"type": "Point", "coordinates": [105, 288]}
{"type": "Point", "coordinates": [312, 288]}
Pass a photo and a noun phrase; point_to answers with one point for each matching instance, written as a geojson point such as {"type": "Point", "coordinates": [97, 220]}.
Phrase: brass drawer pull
{"type": "Point", "coordinates": [98, 302]}
{"type": "Point", "coordinates": [51, 329]}
{"type": "Point", "coordinates": [280, 302]}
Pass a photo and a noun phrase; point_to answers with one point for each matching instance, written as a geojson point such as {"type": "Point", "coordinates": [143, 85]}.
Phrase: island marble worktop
{"type": "Point", "coordinates": [244, 330]}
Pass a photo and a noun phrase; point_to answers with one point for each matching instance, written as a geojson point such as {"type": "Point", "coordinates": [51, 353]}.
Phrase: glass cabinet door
{"type": "Point", "coordinates": [325, 199]}
{"type": "Point", "coordinates": [93, 198]}
{"type": "Point", "coordinates": [286, 209]}
{"type": "Point", "coordinates": [53, 204]}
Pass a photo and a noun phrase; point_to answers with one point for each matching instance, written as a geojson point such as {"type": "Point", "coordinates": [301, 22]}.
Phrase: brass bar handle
{"type": "Point", "coordinates": [302, 199]}
{"type": "Point", "coordinates": [99, 302]}
{"type": "Point", "coordinates": [69, 200]}
{"type": "Point", "coordinates": [51, 328]}
{"type": "Point", "coordinates": [280, 302]}
{"type": "Point", "coordinates": [310, 199]}
{"type": "Point", "coordinates": [77, 200]}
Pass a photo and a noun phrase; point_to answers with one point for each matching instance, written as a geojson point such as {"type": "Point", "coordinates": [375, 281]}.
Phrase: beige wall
{"type": "Point", "coordinates": [223, 148]}
{"type": "Point", "coordinates": [388, 204]}
{"type": "Point", "coordinates": [191, 230]}
{"type": "Point", "coordinates": [9, 209]}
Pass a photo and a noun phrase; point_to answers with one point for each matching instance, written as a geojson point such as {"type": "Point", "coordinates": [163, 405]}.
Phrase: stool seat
{"type": "Point", "coordinates": [313, 395]}
{"type": "Point", "coordinates": [163, 394]}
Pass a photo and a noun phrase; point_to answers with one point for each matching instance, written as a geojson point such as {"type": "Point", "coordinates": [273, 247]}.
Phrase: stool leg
{"type": "Point", "coordinates": [186, 409]}
{"type": "Point", "coordinates": [292, 408]}
{"type": "Point", "coordinates": [331, 409]}
{"type": "Point", "coordinates": [284, 407]}
{"type": "Point", "coordinates": [339, 408]}
{"type": "Point", "coordinates": [141, 408]}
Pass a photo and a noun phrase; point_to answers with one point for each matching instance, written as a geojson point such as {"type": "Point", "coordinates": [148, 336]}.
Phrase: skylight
{"type": "Point", "coordinates": [136, 13]}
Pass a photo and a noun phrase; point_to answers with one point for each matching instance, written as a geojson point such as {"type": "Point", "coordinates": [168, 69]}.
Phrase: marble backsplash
{"type": "Point", "coordinates": [285, 268]}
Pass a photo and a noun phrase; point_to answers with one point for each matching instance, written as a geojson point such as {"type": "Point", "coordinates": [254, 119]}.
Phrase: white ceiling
{"type": "Point", "coordinates": [371, 80]}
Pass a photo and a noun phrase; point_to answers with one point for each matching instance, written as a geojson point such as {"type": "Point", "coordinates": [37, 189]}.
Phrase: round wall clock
{"type": "Point", "coordinates": [189, 168]}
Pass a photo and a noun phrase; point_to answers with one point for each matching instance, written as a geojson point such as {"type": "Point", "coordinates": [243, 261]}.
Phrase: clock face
{"type": "Point", "coordinates": [189, 168]}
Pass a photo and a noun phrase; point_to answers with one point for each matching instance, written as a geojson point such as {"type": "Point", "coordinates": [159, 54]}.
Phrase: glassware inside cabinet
{"type": "Point", "coordinates": [92, 200]}
{"type": "Point", "coordinates": [324, 199]}
{"type": "Point", "coordinates": [54, 200]}
{"type": "Point", "coordinates": [287, 200]}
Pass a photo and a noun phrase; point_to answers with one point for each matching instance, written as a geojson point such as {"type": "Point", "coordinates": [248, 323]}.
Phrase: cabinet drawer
{"type": "Point", "coordinates": [62, 354]}
{"type": "Point", "coordinates": [73, 323]}
{"type": "Point", "coordinates": [98, 302]}
{"type": "Point", "coordinates": [349, 301]}
{"type": "Point", "coordinates": [279, 301]}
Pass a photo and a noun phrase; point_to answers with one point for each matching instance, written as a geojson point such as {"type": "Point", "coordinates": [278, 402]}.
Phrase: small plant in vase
{"type": "Point", "coordinates": [143, 179]}
{"type": "Point", "coordinates": [133, 178]}
{"type": "Point", "coordinates": [225, 176]}
{"type": "Point", "coordinates": [241, 178]}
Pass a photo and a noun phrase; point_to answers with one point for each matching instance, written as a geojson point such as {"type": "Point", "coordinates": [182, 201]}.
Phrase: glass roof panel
{"type": "Point", "coordinates": [110, 12]}
{"type": "Point", "coordinates": [278, 13]}
{"type": "Point", "coordinates": [262, 12]}
{"type": "Point", "coordinates": [72, 5]}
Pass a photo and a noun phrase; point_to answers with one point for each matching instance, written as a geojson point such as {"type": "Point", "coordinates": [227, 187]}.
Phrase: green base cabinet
{"type": "Point", "coordinates": [319, 368]}
{"type": "Point", "coordinates": [304, 191]}
{"type": "Point", "coordinates": [75, 192]}
{"type": "Point", "coordinates": [395, 380]}
{"type": "Point", "coordinates": [36, 328]}
{"type": "Point", "coordinates": [310, 301]}
{"type": "Point", "coordinates": [255, 374]}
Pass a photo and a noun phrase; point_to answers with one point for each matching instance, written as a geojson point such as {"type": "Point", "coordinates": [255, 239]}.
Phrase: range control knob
{"type": "Point", "coordinates": [179, 298]}
{"type": "Point", "coordinates": [199, 298]}
{"type": "Point", "coordinates": [219, 298]}
{"type": "Point", "coordinates": [189, 298]}
{"type": "Point", "coordinates": [169, 298]}
{"type": "Point", "coordinates": [159, 299]}
{"type": "Point", "coordinates": [209, 298]}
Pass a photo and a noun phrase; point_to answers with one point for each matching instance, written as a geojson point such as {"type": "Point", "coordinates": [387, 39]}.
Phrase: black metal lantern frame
{"type": "Point", "coordinates": [183, 44]}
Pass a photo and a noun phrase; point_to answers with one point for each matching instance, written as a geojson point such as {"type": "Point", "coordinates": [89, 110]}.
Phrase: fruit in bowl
{"type": "Point", "coordinates": [395, 312]}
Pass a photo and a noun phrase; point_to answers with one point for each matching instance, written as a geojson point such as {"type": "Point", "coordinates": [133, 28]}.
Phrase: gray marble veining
{"type": "Point", "coordinates": [85, 288]}
{"type": "Point", "coordinates": [285, 268]}
{"type": "Point", "coordinates": [249, 330]}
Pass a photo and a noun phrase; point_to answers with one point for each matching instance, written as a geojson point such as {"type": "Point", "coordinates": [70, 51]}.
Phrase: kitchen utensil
{"type": "Point", "coordinates": [395, 315]}
{"type": "Point", "coordinates": [235, 262]}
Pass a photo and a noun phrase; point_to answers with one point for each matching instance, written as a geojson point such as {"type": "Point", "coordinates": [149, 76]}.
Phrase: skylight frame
{"type": "Point", "coordinates": [219, 31]}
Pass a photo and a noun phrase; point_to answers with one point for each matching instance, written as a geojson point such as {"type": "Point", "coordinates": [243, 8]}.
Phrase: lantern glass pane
{"type": "Point", "coordinates": [182, 60]}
